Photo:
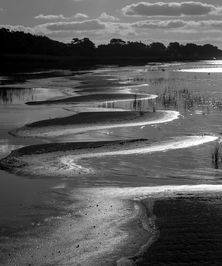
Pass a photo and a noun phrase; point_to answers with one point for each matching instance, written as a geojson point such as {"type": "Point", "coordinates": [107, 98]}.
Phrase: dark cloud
{"type": "Point", "coordinates": [87, 25]}
{"type": "Point", "coordinates": [171, 24]}
{"type": "Point", "coordinates": [190, 8]}
{"type": "Point", "coordinates": [179, 24]}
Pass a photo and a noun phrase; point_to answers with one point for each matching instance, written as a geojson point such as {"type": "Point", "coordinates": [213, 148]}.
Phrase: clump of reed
{"type": "Point", "coordinates": [217, 156]}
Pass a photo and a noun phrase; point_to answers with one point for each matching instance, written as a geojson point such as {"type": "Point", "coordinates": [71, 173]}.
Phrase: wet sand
{"type": "Point", "coordinates": [190, 232]}
{"type": "Point", "coordinates": [90, 118]}
{"type": "Point", "coordinates": [130, 226]}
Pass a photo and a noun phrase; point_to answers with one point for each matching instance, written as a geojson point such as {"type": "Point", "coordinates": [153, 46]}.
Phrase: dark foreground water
{"type": "Point", "coordinates": [112, 166]}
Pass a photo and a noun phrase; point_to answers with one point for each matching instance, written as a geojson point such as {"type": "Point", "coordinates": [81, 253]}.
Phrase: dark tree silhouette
{"type": "Point", "coordinates": [15, 44]}
{"type": "Point", "coordinates": [117, 42]}
{"type": "Point", "coordinates": [83, 46]}
{"type": "Point", "coordinates": [174, 50]}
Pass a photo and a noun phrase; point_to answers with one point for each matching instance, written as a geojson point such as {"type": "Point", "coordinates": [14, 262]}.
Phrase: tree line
{"type": "Point", "coordinates": [18, 42]}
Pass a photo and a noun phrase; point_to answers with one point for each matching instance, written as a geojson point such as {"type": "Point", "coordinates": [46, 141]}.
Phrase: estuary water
{"type": "Point", "coordinates": [112, 166]}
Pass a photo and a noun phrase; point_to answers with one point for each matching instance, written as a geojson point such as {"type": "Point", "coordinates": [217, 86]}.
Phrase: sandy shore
{"type": "Point", "coordinates": [166, 226]}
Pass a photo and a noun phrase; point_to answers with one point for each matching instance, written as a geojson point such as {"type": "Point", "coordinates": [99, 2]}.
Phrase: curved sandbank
{"type": "Point", "coordinates": [98, 97]}
{"type": "Point", "coordinates": [65, 159]}
{"type": "Point", "coordinates": [88, 121]}
{"type": "Point", "coordinates": [17, 158]}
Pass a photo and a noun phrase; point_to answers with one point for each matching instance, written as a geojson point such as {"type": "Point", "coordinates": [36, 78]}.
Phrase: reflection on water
{"type": "Point", "coordinates": [136, 104]}
{"type": "Point", "coordinates": [15, 95]}
{"type": "Point", "coordinates": [19, 95]}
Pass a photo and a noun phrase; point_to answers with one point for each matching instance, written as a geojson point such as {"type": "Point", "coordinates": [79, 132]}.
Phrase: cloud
{"type": "Point", "coordinates": [212, 24]}
{"type": "Point", "coordinates": [170, 24]}
{"type": "Point", "coordinates": [106, 17]}
{"type": "Point", "coordinates": [86, 25]}
{"type": "Point", "coordinates": [19, 28]}
{"type": "Point", "coordinates": [99, 31]}
{"type": "Point", "coordinates": [120, 29]}
{"type": "Point", "coordinates": [182, 25]}
{"type": "Point", "coordinates": [100, 27]}
{"type": "Point", "coordinates": [50, 17]}
{"type": "Point", "coordinates": [78, 16]}
{"type": "Point", "coordinates": [204, 25]}
{"type": "Point", "coordinates": [189, 8]}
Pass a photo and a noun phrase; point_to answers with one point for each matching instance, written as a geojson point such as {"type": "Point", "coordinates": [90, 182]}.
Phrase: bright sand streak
{"type": "Point", "coordinates": [56, 132]}
{"type": "Point", "coordinates": [177, 143]}
{"type": "Point", "coordinates": [149, 97]}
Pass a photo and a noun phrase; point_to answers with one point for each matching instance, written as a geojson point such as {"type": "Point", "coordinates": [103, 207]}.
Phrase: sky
{"type": "Point", "coordinates": [131, 20]}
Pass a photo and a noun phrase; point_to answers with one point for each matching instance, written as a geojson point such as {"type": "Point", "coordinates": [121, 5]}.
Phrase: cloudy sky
{"type": "Point", "coordinates": [101, 20]}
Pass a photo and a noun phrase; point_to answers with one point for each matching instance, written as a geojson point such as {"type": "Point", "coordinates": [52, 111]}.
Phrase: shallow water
{"type": "Point", "coordinates": [178, 151]}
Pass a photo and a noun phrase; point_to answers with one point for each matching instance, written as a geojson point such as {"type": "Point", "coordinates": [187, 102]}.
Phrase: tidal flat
{"type": "Point", "coordinates": [112, 166]}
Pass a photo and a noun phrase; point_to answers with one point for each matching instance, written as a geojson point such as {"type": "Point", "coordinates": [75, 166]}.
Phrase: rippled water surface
{"type": "Point", "coordinates": [117, 131]}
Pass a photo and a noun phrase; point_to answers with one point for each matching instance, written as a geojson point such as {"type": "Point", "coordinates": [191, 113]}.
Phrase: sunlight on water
{"type": "Point", "coordinates": [214, 62]}
{"type": "Point", "coordinates": [202, 70]}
